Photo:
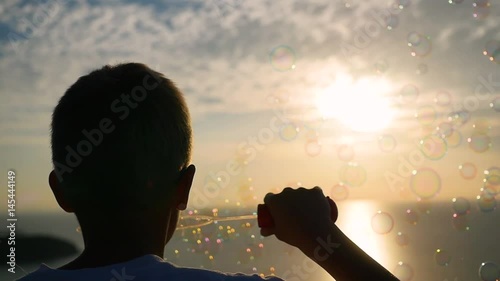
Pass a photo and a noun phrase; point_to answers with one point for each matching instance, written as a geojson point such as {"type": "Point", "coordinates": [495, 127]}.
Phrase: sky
{"type": "Point", "coordinates": [377, 101]}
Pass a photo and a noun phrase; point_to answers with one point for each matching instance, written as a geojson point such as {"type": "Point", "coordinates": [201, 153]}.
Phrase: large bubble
{"type": "Point", "coordinates": [433, 147]}
{"type": "Point", "coordinates": [403, 271]}
{"type": "Point", "coordinates": [479, 142]}
{"type": "Point", "coordinates": [467, 170]}
{"type": "Point", "coordinates": [420, 45]}
{"type": "Point", "coordinates": [382, 222]}
{"type": "Point", "coordinates": [425, 183]}
{"type": "Point", "coordinates": [489, 271]}
{"type": "Point", "coordinates": [461, 205]}
{"type": "Point", "coordinates": [339, 192]}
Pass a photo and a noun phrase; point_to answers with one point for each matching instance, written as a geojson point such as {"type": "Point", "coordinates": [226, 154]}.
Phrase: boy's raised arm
{"type": "Point", "coordinates": [302, 219]}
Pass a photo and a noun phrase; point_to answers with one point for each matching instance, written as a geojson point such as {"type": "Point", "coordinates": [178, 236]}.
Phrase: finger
{"type": "Point", "coordinates": [334, 210]}
{"type": "Point", "coordinates": [268, 197]}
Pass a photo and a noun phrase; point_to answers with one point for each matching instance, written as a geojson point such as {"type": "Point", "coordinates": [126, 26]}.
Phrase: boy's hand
{"type": "Point", "coordinates": [300, 216]}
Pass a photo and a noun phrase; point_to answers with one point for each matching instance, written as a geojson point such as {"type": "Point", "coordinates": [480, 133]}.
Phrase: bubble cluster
{"type": "Point", "coordinates": [425, 183]}
{"type": "Point", "coordinates": [489, 271]}
{"type": "Point", "coordinates": [444, 129]}
{"type": "Point", "coordinates": [282, 58]}
{"type": "Point", "coordinates": [408, 94]}
{"type": "Point", "coordinates": [403, 271]}
{"type": "Point", "coordinates": [479, 142]}
{"type": "Point", "coordinates": [486, 202]}
{"type": "Point", "coordinates": [442, 257]}
{"type": "Point", "coordinates": [411, 216]}
{"type": "Point", "coordinates": [345, 152]}
{"type": "Point", "coordinates": [433, 147]}
{"type": "Point", "coordinates": [492, 176]}
{"type": "Point", "coordinates": [468, 170]}
{"type": "Point", "coordinates": [461, 205]}
{"type": "Point", "coordinates": [382, 222]}
{"type": "Point", "coordinates": [459, 118]}
{"type": "Point", "coordinates": [352, 174]}
{"type": "Point", "coordinates": [481, 9]}
{"type": "Point", "coordinates": [339, 192]}
{"type": "Point", "coordinates": [420, 45]}
{"type": "Point", "coordinates": [387, 143]}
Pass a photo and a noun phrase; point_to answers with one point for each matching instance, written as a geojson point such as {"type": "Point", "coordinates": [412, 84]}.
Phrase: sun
{"type": "Point", "coordinates": [360, 105]}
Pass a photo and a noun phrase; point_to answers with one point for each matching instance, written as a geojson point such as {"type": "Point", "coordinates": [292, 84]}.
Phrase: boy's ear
{"type": "Point", "coordinates": [58, 193]}
{"type": "Point", "coordinates": [184, 186]}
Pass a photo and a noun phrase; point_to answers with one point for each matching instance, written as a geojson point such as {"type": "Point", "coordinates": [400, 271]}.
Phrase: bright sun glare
{"type": "Point", "coordinates": [358, 104]}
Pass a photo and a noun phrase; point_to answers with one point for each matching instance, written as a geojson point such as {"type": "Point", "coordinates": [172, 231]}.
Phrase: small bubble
{"type": "Point", "coordinates": [313, 147]}
{"type": "Point", "coordinates": [495, 104]}
{"type": "Point", "coordinates": [408, 94]}
{"type": "Point", "coordinates": [492, 176]}
{"type": "Point", "coordinates": [460, 222]}
{"type": "Point", "coordinates": [455, 139]}
{"type": "Point", "coordinates": [402, 239]}
{"type": "Point", "coordinates": [391, 22]}
{"type": "Point", "coordinates": [282, 58]}
{"type": "Point", "coordinates": [455, 1]}
{"type": "Point", "coordinates": [411, 216]}
{"type": "Point", "coordinates": [433, 147]}
{"type": "Point", "coordinates": [288, 132]}
{"type": "Point", "coordinates": [425, 183]}
{"type": "Point", "coordinates": [459, 118]}
{"type": "Point", "coordinates": [420, 45]}
{"type": "Point", "coordinates": [403, 271]}
{"type": "Point", "coordinates": [467, 170]}
{"type": "Point", "coordinates": [444, 129]}
{"type": "Point", "coordinates": [489, 271]}
{"type": "Point", "coordinates": [421, 69]}
{"type": "Point", "coordinates": [461, 205]}
{"type": "Point", "coordinates": [486, 202]}
{"type": "Point", "coordinates": [479, 142]}
{"type": "Point", "coordinates": [381, 66]}
{"type": "Point", "coordinates": [382, 222]}
{"type": "Point", "coordinates": [345, 152]}
{"type": "Point", "coordinates": [442, 257]}
{"type": "Point", "coordinates": [352, 174]}
{"type": "Point", "coordinates": [442, 98]}
{"type": "Point", "coordinates": [339, 192]}
{"type": "Point", "coordinates": [387, 143]}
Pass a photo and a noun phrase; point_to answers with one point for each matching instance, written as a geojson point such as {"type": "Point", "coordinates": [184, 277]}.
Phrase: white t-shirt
{"type": "Point", "coordinates": [145, 268]}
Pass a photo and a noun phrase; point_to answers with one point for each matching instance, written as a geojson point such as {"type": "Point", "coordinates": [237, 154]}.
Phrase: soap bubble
{"type": "Point", "coordinates": [489, 271]}
{"type": "Point", "coordinates": [382, 222]}
{"type": "Point", "coordinates": [313, 147]}
{"type": "Point", "coordinates": [481, 9]}
{"type": "Point", "coordinates": [442, 98]}
{"type": "Point", "coordinates": [433, 147]}
{"type": "Point", "coordinates": [495, 104]}
{"type": "Point", "coordinates": [426, 115]}
{"type": "Point", "coordinates": [387, 143]}
{"type": "Point", "coordinates": [479, 142]}
{"type": "Point", "coordinates": [411, 216]}
{"type": "Point", "coordinates": [420, 45]}
{"type": "Point", "coordinates": [459, 118]}
{"type": "Point", "coordinates": [288, 132]}
{"type": "Point", "coordinates": [486, 202]}
{"type": "Point", "coordinates": [391, 22]}
{"type": "Point", "coordinates": [339, 192]}
{"type": "Point", "coordinates": [409, 93]}
{"type": "Point", "coordinates": [352, 174]}
{"type": "Point", "coordinates": [381, 66]}
{"type": "Point", "coordinates": [492, 50]}
{"type": "Point", "coordinates": [461, 205]}
{"type": "Point", "coordinates": [282, 58]}
{"type": "Point", "coordinates": [444, 129]}
{"type": "Point", "coordinates": [442, 257]}
{"type": "Point", "coordinates": [492, 176]}
{"type": "Point", "coordinates": [425, 183]}
{"type": "Point", "coordinates": [345, 152]}
{"type": "Point", "coordinates": [482, 126]}
{"type": "Point", "coordinates": [421, 69]}
{"type": "Point", "coordinates": [467, 170]}
{"type": "Point", "coordinates": [402, 239]}
{"type": "Point", "coordinates": [455, 1]}
{"type": "Point", "coordinates": [403, 271]}
{"type": "Point", "coordinates": [403, 3]}
{"type": "Point", "coordinates": [460, 222]}
{"type": "Point", "coordinates": [454, 140]}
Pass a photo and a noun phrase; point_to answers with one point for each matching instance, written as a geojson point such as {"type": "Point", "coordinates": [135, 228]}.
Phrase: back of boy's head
{"type": "Point", "coordinates": [121, 135]}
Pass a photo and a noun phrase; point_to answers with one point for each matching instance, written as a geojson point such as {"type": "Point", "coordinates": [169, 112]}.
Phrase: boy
{"type": "Point", "coordinates": [121, 149]}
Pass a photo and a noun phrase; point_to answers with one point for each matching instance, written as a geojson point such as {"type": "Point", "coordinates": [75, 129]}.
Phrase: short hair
{"type": "Point", "coordinates": [117, 130]}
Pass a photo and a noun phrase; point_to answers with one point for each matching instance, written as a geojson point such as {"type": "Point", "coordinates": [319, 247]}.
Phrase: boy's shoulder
{"type": "Point", "coordinates": [148, 267]}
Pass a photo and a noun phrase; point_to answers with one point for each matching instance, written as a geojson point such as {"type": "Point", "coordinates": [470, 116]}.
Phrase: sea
{"type": "Point", "coordinates": [431, 241]}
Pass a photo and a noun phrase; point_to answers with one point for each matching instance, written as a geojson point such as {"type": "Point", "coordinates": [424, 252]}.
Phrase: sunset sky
{"type": "Point", "coordinates": [319, 93]}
